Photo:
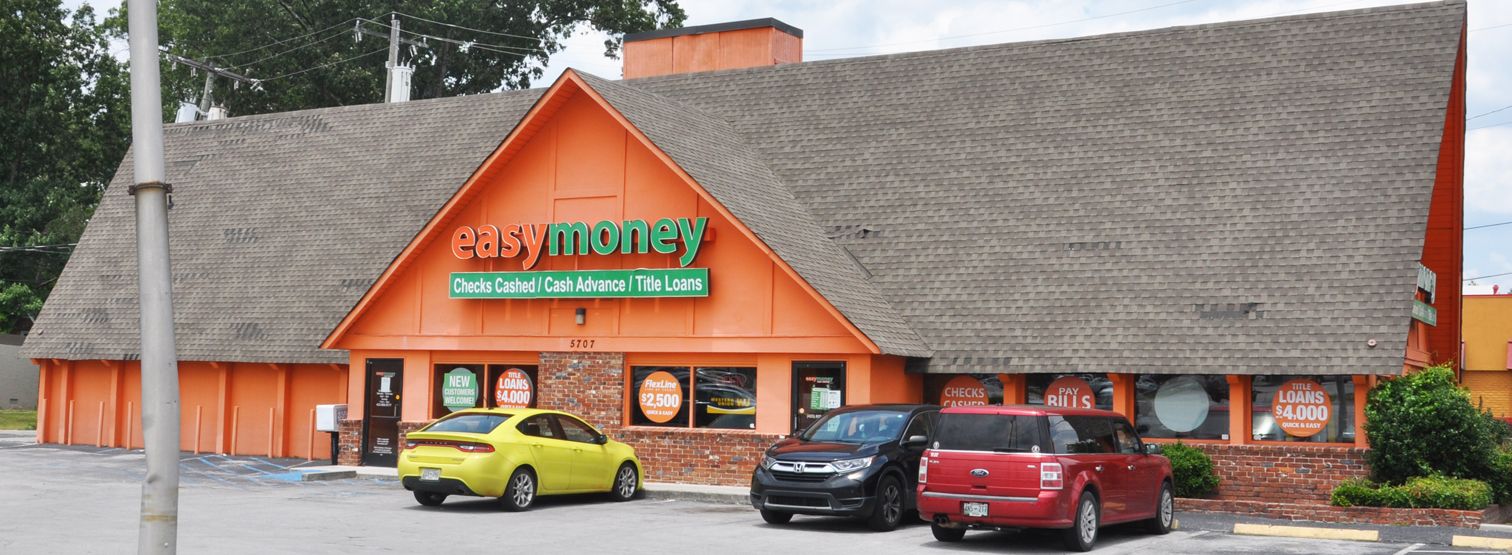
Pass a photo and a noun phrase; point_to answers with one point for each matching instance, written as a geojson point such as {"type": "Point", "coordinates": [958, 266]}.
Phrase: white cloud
{"type": "Point", "coordinates": [1488, 170]}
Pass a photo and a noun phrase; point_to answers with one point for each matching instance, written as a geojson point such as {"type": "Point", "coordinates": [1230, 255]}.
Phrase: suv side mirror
{"type": "Point", "coordinates": [601, 440]}
{"type": "Point", "coordinates": [1152, 448]}
{"type": "Point", "coordinates": [913, 441]}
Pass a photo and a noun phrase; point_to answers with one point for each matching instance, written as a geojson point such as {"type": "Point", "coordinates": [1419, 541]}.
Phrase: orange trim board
{"type": "Point", "coordinates": [535, 119]}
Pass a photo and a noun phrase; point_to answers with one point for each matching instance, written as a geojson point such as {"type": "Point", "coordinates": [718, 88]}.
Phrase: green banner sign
{"type": "Point", "coordinates": [603, 284]}
{"type": "Point", "coordinates": [1424, 313]}
{"type": "Point", "coordinates": [460, 389]}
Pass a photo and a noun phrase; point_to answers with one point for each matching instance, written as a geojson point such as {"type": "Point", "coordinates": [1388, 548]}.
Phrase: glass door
{"type": "Point", "coordinates": [380, 422]}
{"type": "Point", "coordinates": [818, 387]}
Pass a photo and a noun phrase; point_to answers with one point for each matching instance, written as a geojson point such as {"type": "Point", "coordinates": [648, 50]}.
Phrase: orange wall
{"type": "Point", "coordinates": [582, 165]}
{"type": "Point", "coordinates": [220, 403]}
{"type": "Point", "coordinates": [711, 51]}
{"type": "Point", "coordinates": [1443, 249]}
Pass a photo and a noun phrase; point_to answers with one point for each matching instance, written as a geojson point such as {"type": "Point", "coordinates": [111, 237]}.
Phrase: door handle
{"type": "Point", "coordinates": [1098, 468]}
{"type": "Point", "coordinates": [535, 445]}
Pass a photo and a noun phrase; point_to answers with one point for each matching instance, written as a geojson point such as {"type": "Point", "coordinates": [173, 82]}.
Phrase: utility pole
{"type": "Point", "coordinates": [393, 58]}
{"type": "Point", "coordinates": [211, 72]}
{"type": "Point", "coordinates": [158, 529]}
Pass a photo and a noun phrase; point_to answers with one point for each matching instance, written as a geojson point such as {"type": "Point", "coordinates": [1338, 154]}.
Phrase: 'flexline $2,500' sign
{"type": "Point", "coordinates": [643, 283]}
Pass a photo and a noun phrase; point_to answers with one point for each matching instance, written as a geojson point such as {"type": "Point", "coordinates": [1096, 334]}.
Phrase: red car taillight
{"type": "Point", "coordinates": [474, 447]}
{"type": "Point", "coordinates": [1052, 476]}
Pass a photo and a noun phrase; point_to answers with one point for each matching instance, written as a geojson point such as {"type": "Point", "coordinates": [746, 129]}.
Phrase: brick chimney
{"type": "Point", "coordinates": [751, 43]}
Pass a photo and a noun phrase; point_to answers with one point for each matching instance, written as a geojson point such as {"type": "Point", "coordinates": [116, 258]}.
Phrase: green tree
{"type": "Point", "coordinates": [64, 126]}
{"type": "Point", "coordinates": [1424, 424]}
{"type": "Point", "coordinates": [307, 52]}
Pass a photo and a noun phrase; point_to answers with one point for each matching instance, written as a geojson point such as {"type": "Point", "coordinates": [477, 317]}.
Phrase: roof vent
{"type": "Point", "coordinates": [737, 44]}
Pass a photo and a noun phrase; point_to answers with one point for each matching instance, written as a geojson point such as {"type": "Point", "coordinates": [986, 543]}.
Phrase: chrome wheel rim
{"type": "Point", "coordinates": [892, 503]}
{"type": "Point", "coordinates": [524, 490]}
{"type": "Point", "coordinates": [1166, 508]}
{"type": "Point", "coordinates": [627, 482]}
{"type": "Point", "coordinates": [1088, 522]}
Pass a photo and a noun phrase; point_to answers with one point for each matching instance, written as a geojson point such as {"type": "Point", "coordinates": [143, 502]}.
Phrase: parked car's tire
{"type": "Point", "coordinates": [1165, 511]}
{"type": "Point", "coordinates": [430, 498]}
{"type": "Point", "coordinates": [1082, 534]}
{"type": "Point", "coordinates": [888, 512]}
{"type": "Point", "coordinates": [775, 517]}
{"type": "Point", "coordinates": [626, 483]}
{"type": "Point", "coordinates": [948, 535]}
{"type": "Point", "coordinates": [521, 492]}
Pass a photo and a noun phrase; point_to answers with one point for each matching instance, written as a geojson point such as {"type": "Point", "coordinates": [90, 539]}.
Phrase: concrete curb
{"type": "Point", "coordinates": [727, 495]}
{"type": "Point", "coordinates": [1307, 532]}
{"type": "Point", "coordinates": [322, 475]}
{"type": "Point", "coordinates": [1483, 542]}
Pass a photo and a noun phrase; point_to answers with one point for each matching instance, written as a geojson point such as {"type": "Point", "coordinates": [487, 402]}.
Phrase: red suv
{"type": "Point", "coordinates": [1041, 467]}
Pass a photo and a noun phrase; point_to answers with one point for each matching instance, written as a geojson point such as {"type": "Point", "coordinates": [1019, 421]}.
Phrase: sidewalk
{"type": "Point", "coordinates": [1439, 535]}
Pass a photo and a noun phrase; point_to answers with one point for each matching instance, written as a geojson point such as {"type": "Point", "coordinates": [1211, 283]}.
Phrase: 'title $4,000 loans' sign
{"type": "Point", "coordinates": [1301, 407]}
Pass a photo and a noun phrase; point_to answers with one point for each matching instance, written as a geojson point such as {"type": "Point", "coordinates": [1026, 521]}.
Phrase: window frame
{"type": "Point", "coordinates": [690, 401]}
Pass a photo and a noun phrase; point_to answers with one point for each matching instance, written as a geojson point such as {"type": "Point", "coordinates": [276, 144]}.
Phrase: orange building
{"type": "Point", "coordinates": [710, 254]}
{"type": "Point", "coordinates": [1487, 369]}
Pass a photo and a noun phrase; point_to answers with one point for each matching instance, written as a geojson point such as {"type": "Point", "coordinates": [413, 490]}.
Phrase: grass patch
{"type": "Point", "coordinates": [18, 419]}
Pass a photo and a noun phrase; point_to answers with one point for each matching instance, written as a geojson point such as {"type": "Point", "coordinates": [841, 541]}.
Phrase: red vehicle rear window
{"type": "Point", "coordinates": [1002, 433]}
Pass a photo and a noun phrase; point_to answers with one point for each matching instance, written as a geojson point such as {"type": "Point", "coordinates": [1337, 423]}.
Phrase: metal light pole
{"type": "Point", "coordinates": [158, 533]}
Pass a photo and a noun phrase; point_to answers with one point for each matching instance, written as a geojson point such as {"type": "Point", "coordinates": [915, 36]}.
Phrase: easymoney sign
{"type": "Point", "coordinates": [530, 241]}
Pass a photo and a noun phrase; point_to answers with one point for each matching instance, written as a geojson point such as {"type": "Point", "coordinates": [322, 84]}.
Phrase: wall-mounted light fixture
{"type": "Point", "coordinates": [582, 316]}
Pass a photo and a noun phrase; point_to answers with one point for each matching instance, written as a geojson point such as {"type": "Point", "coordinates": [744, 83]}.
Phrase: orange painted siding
{"type": "Point", "coordinates": [1490, 389]}
{"type": "Point", "coordinates": [1443, 249]}
{"type": "Point", "coordinates": [221, 404]}
{"type": "Point", "coordinates": [582, 166]}
{"type": "Point", "coordinates": [1487, 329]}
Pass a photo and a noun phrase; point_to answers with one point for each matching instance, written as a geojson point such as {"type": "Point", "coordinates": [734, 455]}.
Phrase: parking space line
{"type": "Point", "coordinates": [1408, 549]}
{"type": "Point", "coordinates": [1503, 544]}
{"type": "Point", "coordinates": [1307, 532]}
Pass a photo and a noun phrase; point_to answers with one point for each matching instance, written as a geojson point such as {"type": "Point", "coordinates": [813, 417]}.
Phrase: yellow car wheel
{"type": "Point", "coordinates": [520, 494]}
{"type": "Point", "coordinates": [626, 483]}
{"type": "Point", "coordinates": [430, 498]}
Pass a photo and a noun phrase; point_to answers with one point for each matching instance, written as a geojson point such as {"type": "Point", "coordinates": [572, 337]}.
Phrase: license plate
{"type": "Point", "coordinates": [433, 474]}
{"type": "Point", "coordinates": [974, 509]}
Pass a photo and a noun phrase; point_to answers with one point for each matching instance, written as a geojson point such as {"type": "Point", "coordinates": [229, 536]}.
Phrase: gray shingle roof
{"type": "Point", "coordinates": [279, 224]}
{"type": "Point", "coordinates": [1245, 197]}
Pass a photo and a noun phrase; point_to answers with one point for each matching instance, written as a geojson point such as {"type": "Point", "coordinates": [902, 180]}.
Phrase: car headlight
{"type": "Point", "coordinates": [767, 461]}
{"type": "Point", "coordinates": [852, 464]}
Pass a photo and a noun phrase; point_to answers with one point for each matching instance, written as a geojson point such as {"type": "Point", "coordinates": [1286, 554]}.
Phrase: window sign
{"type": "Point", "coordinates": [460, 389]}
{"type": "Point", "coordinates": [724, 397]}
{"type": "Point", "coordinates": [514, 389]}
{"type": "Point", "coordinates": [963, 391]}
{"type": "Point", "coordinates": [1070, 391]}
{"type": "Point", "coordinates": [660, 397]}
{"type": "Point", "coordinates": [1182, 404]}
{"type": "Point", "coordinates": [1301, 407]}
{"type": "Point", "coordinates": [1176, 406]}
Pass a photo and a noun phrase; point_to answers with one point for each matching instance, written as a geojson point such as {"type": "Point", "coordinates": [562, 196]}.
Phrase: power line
{"type": "Point", "coordinates": [1487, 225]}
{"type": "Point", "coordinates": [384, 49]}
{"type": "Point", "coordinates": [1492, 125]}
{"type": "Point", "coordinates": [1005, 30]}
{"type": "Point", "coordinates": [1489, 113]}
{"type": "Point", "coordinates": [276, 43]}
{"type": "Point", "coordinates": [297, 48]}
{"type": "Point", "coordinates": [476, 30]}
{"type": "Point", "coordinates": [1492, 27]}
{"type": "Point", "coordinates": [1490, 276]}
{"type": "Point", "coordinates": [465, 43]}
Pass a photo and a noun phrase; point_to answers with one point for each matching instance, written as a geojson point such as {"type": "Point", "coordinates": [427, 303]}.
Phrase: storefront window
{"type": "Point", "coordinates": [723, 397]}
{"type": "Point", "coordinates": [1182, 406]}
{"type": "Point", "coordinates": [1070, 390]}
{"type": "Point", "coordinates": [961, 390]}
{"type": "Point", "coordinates": [457, 387]}
{"type": "Point", "coordinates": [1317, 409]}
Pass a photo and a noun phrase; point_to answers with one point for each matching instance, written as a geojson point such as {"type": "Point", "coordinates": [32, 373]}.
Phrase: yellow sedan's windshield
{"type": "Point", "coordinates": [468, 422]}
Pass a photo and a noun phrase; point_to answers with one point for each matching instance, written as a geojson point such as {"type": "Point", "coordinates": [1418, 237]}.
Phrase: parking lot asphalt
{"type": "Point", "coordinates": [85, 500]}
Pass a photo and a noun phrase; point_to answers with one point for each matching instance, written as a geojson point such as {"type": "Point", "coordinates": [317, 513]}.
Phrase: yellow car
{"type": "Point", "coordinates": [515, 455]}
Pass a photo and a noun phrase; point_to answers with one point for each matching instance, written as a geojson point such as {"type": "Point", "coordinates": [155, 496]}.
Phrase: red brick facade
{"type": "Point", "coordinates": [1283, 473]}
{"type": "Point", "coordinates": [351, 443]}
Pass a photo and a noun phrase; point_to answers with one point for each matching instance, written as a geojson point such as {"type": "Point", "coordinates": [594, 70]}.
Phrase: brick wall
{"type": "Point", "coordinates": [1283, 473]}
{"type": "Point", "coordinates": [351, 443]}
{"type": "Point", "coordinates": [592, 385]}
{"type": "Point", "coordinates": [1326, 513]}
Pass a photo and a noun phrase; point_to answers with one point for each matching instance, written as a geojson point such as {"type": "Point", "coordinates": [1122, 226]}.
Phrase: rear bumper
{"type": "Point", "coordinates": [1050, 509]}
{"type": "Point", "coordinates": [446, 486]}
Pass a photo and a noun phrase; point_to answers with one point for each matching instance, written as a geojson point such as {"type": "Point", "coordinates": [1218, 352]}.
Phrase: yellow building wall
{"type": "Point", "coordinates": [1487, 329]}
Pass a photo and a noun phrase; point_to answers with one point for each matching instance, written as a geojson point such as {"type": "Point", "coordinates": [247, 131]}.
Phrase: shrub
{"type": "Point", "coordinates": [1424, 424]}
{"type": "Point", "coordinates": [1432, 492]}
{"type": "Point", "coordinates": [1191, 469]}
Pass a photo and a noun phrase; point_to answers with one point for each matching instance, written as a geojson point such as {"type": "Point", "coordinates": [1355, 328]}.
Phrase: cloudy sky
{"type": "Point", "coordinates": [844, 28]}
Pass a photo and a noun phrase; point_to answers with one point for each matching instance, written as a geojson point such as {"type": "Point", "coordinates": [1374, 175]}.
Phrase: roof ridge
{"type": "Point", "coordinates": [376, 106]}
